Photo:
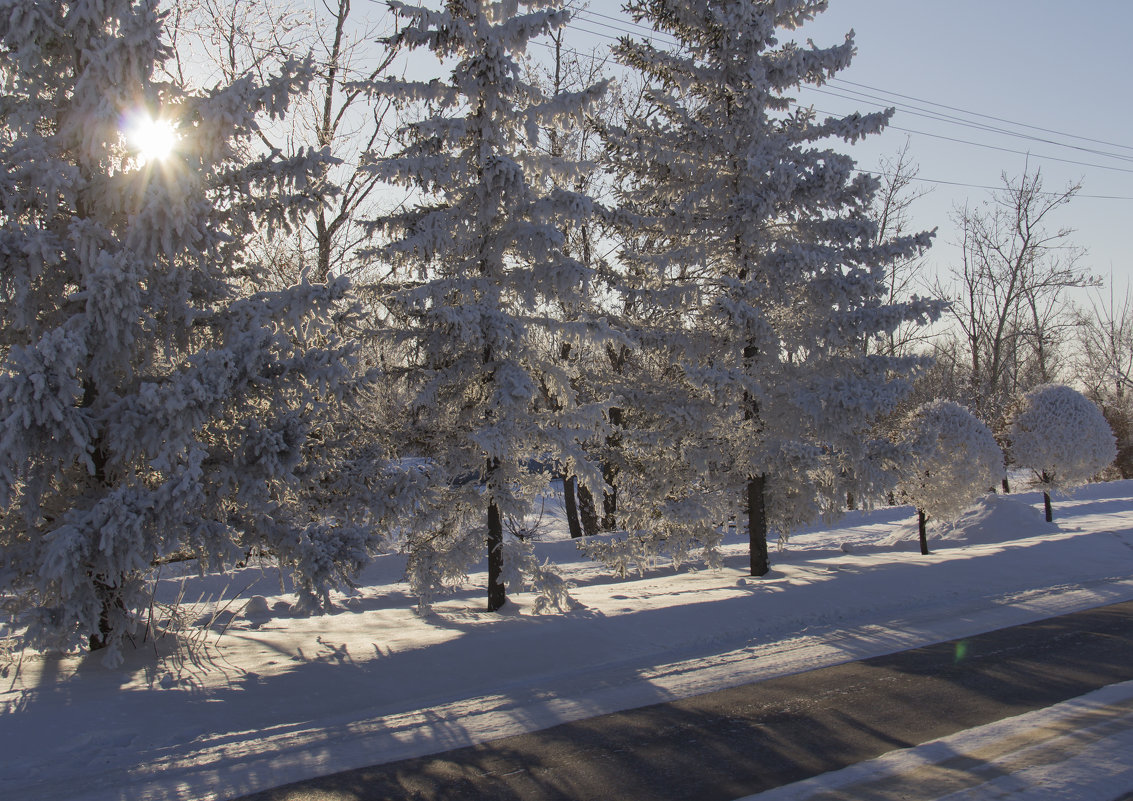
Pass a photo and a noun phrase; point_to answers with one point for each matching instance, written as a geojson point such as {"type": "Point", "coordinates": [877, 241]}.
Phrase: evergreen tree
{"type": "Point", "coordinates": [756, 254]}
{"type": "Point", "coordinates": [486, 277]}
{"type": "Point", "coordinates": [152, 402]}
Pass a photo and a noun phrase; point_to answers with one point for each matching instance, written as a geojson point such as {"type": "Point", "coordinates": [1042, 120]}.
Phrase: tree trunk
{"type": "Point", "coordinates": [1047, 508]}
{"type": "Point", "coordinates": [323, 242]}
{"type": "Point", "coordinates": [757, 526]}
{"type": "Point", "coordinates": [610, 503]}
{"type": "Point", "coordinates": [1006, 486]}
{"type": "Point", "coordinates": [923, 533]}
{"type": "Point", "coordinates": [587, 512]}
{"type": "Point", "coordinates": [570, 505]}
{"type": "Point", "coordinates": [109, 597]}
{"type": "Point", "coordinates": [497, 593]}
{"type": "Point", "coordinates": [610, 473]}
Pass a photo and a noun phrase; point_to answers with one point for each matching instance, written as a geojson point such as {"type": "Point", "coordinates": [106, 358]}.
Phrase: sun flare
{"type": "Point", "coordinates": [151, 140]}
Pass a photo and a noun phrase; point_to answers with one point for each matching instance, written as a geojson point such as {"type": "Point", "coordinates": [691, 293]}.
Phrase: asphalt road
{"type": "Point", "coordinates": [724, 745]}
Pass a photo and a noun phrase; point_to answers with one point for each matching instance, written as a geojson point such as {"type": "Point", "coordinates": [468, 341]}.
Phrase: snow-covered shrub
{"type": "Point", "coordinates": [1062, 436]}
{"type": "Point", "coordinates": [524, 571]}
{"type": "Point", "coordinates": [952, 458]}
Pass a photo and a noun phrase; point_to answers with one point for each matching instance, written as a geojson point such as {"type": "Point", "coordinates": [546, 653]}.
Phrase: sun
{"type": "Point", "coordinates": [152, 140]}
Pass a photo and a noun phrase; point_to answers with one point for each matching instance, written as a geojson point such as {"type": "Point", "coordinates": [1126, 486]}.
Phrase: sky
{"type": "Point", "coordinates": [1054, 65]}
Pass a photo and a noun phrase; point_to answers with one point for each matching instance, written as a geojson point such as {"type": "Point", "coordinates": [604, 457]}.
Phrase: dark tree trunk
{"type": "Point", "coordinates": [610, 474]}
{"type": "Point", "coordinates": [587, 512]}
{"type": "Point", "coordinates": [851, 502]}
{"type": "Point", "coordinates": [1006, 486]}
{"type": "Point", "coordinates": [1047, 508]}
{"type": "Point", "coordinates": [109, 597]}
{"type": "Point", "coordinates": [757, 526]}
{"type": "Point", "coordinates": [497, 593]}
{"type": "Point", "coordinates": [610, 504]}
{"type": "Point", "coordinates": [923, 533]}
{"type": "Point", "coordinates": [570, 505]}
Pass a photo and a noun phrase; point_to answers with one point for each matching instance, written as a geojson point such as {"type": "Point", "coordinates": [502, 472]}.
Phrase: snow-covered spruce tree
{"type": "Point", "coordinates": [1062, 436]}
{"type": "Point", "coordinates": [152, 402]}
{"type": "Point", "coordinates": [951, 459]}
{"type": "Point", "coordinates": [760, 238]}
{"type": "Point", "coordinates": [481, 255]}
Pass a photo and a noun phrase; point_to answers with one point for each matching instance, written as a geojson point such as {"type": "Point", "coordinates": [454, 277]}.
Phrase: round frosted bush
{"type": "Point", "coordinates": [1061, 435]}
{"type": "Point", "coordinates": [953, 459]}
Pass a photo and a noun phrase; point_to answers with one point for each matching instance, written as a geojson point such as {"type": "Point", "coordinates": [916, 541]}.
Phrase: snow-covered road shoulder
{"type": "Point", "coordinates": [1076, 749]}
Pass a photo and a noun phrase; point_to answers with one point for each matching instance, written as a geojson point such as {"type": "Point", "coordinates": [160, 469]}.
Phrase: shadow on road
{"type": "Point", "coordinates": [728, 744]}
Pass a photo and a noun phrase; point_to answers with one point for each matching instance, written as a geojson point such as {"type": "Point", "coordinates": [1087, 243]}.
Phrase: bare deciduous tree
{"type": "Point", "coordinates": [243, 37]}
{"type": "Point", "coordinates": [1008, 291]}
{"type": "Point", "coordinates": [1105, 367]}
{"type": "Point", "coordinates": [892, 211]}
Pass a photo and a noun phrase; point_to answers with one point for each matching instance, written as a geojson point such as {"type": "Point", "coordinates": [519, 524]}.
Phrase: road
{"type": "Point", "coordinates": [727, 744]}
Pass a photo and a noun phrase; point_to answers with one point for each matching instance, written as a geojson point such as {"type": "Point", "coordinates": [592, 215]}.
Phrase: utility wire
{"type": "Point", "coordinates": [879, 174]}
{"type": "Point", "coordinates": [649, 33]}
{"type": "Point", "coordinates": [985, 116]}
{"type": "Point", "coordinates": [979, 144]}
{"type": "Point", "coordinates": [580, 54]}
{"type": "Point", "coordinates": [1009, 150]}
{"type": "Point", "coordinates": [940, 118]}
{"type": "Point", "coordinates": [625, 26]}
{"type": "Point", "coordinates": [858, 97]}
{"type": "Point", "coordinates": [642, 32]}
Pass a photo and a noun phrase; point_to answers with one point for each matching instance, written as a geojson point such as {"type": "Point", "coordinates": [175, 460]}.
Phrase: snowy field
{"type": "Point", "coordinates": [263, 698]}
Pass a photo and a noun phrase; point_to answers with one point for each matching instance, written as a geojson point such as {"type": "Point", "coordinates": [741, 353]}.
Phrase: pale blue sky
{"type": "Point", "coordinates": [1058, 65]}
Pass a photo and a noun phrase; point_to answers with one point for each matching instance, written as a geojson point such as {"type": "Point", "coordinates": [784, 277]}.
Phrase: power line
{"type": "Point", "coordinates": [578, 27]}
{"type": "Point", "coordinates": [625, 26]}
{"type": "Point", "coordinates": [632, 30]}
{"type": "Point", "coordinates": [938, 117]}
{"type": "Point", "coordinates": [649, 33]}
{"type": "Point", "coordinates": [985, 116]}
{"type": "Point", "coordinates": [857, 97]}
{"type": "Point", "coordinates": [1009, 150]}
{"type": "Point", "coordinates": [981, 144]}
{"type": "Point", "coordinates": [879, 174]}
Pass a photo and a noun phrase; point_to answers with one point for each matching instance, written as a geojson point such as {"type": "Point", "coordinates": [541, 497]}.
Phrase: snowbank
{"type": "Point", "coordinates": [277, 698]}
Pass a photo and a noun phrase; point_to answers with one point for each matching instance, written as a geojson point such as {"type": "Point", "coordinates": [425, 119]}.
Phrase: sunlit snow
{"type": "Point", "coordinates": [262, 698]}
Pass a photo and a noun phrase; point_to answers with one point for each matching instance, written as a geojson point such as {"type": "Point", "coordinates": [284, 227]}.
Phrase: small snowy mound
{"type": "Point", "coordinates": [257, 609]}
{"type": "Point", "coordinates": [996, 518]}
{"type": "Point", "coordinates": [989, 519]}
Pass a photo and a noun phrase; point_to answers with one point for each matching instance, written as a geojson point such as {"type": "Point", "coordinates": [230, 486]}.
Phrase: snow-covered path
{"type": "Point", "coordinates": [277, 699]}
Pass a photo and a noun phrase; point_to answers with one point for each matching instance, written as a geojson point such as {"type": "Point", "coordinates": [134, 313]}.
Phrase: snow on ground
{"type": "Point", "coordinates": [1077, 749]}
{"type": "Point", "coordinates": [276, 698]}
